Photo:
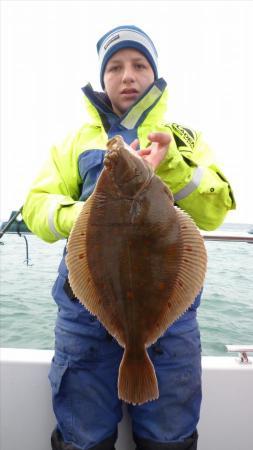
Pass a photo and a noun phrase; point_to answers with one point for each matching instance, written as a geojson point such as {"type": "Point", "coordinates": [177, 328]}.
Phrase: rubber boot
{"type": "Point", "coordinates": [57, 443]}
{"type": "Point", "coordinates": [146, 444]}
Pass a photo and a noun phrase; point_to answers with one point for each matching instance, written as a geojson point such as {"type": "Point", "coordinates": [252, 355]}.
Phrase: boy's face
{"type": "Point", "coordinates": [127, 75]}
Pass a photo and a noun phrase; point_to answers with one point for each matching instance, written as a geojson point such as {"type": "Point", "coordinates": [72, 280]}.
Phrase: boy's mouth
{"type": "Point", "coordinates": [129, 91]}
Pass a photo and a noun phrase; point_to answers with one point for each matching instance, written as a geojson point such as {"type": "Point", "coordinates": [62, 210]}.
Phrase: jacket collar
{"type": "Point", "coordinates": [99, 106]}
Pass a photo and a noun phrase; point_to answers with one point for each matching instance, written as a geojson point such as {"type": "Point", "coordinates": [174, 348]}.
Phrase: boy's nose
{"type": "Point", "coordinates": [128, 74]}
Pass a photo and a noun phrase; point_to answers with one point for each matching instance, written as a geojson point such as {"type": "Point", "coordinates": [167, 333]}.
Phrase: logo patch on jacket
{"type": "Point", "coordinates": [186, 137]}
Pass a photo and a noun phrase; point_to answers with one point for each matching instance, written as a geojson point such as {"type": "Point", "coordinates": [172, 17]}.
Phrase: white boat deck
{"type": "Point", "coordinates": [26, 417]}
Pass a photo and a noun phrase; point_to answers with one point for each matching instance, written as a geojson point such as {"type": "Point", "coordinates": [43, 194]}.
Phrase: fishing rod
{"type": "Point", "coordinates": [10, 222]}
{"type": "Point", "coordinates": [17, 230]}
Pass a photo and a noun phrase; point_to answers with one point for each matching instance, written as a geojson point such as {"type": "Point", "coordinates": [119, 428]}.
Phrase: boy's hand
{"type": "Point", "coordinates": [156, 151]}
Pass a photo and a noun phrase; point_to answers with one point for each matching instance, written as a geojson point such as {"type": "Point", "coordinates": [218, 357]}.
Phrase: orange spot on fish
{"type": "Point", "coordinates": [161, 286]}
{"type": "Point", "coordinates": [130, 295]}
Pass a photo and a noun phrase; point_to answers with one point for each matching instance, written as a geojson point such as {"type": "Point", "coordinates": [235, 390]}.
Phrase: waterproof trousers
{"type": "Point", "coordinates": [84, 375]}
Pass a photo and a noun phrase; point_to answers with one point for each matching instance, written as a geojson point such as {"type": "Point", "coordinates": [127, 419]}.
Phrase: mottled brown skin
{"type": "Point", "coordinates": [135, 261]}
{"type": "Point", "coordinates": [132, 230]}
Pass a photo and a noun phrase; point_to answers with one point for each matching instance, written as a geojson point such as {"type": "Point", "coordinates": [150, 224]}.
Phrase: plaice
{"type": "Point", "coordinates": [135, 261]}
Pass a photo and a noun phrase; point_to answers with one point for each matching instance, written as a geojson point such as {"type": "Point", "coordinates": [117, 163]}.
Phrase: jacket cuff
{"type": "Point", "coordinates": [65, 217]}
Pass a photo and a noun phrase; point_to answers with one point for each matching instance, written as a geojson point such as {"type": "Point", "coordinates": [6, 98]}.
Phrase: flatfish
{"type": "Point", "coordinates": [135, 261]}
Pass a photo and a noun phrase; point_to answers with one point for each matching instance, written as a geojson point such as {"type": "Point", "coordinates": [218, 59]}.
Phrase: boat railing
{"type": "Point", "coordinates": [242, 350]}
{"type": "Point", "coordinates": [14, 225]}
{"type": "Point", "coordinates": [227, 236]}
{"type": "Point", "coordinates": [208, 236]}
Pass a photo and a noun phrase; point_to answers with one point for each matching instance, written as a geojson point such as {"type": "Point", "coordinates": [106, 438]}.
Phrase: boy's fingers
{"type": "Point", "coordinates": [134, 144]}
{"type": "Point", "coordinates": [145, 151]}
{"type": "Point", "coordinates": [160, 138]}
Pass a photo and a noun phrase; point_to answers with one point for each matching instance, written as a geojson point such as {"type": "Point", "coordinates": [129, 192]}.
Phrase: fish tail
{"type": "Point", "coordinates": [137, 381]}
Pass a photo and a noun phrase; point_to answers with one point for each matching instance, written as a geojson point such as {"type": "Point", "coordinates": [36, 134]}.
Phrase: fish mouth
{"type": "Point", "coordinates": [130, 183]}
{"type": "Point", "coordinates": [113, 155]}
{"type": "Point", "coordinates": [115, 148]}
{"type": "Point", "coordinates": [129, 172]}
{"type": "Point", "coordinates": [111, 158]}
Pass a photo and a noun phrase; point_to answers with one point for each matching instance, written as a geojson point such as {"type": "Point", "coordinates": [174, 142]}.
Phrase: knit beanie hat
{"type": "Point", "coordinates": [125, 36]}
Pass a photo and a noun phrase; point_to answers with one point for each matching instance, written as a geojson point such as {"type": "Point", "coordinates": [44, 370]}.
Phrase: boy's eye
{"type": "Point", "coordinates": [114, 68]}
{"type": "Point", "coordinates": [140, 66]}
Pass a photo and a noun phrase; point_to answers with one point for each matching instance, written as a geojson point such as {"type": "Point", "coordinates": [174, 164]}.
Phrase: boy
{"type": "Point", "coordinates": [84, 370]}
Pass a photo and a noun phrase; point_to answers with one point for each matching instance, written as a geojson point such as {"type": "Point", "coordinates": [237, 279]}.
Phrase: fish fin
{"type": "Point", "coordinates": [80, 278]}
{"type": "Point", "coordinates": [190, 276]}
{"type": "Point", "coordinates": [192, 267]}
{"type": "Point", "coordinates": [137, 382]}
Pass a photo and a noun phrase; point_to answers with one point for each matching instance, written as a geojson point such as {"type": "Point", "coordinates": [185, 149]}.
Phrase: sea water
{"type": "Point", "coordinates": [28, 312]}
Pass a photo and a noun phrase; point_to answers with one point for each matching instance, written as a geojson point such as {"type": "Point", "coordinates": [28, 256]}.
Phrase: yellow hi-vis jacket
{"type": "Point", "coordinates": [199, 187]}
